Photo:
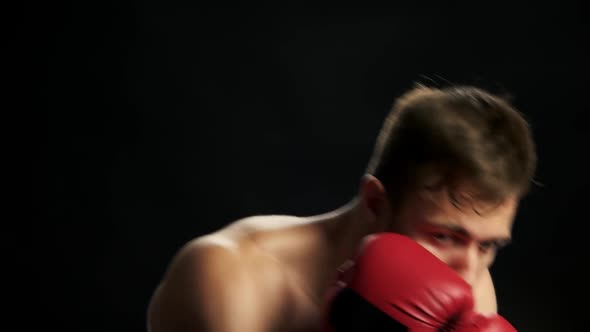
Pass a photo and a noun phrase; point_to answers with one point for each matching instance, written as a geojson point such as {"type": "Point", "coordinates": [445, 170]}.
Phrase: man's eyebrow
{"type": "Point", "coordinates": [501, 240]}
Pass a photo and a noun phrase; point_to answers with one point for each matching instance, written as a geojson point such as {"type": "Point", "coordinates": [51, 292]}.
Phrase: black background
{"type": "Point", "coordinates": [155, 122]}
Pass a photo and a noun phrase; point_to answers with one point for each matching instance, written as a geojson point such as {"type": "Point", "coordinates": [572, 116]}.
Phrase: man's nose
{"type": "Point", "coordinates": [465, 261]}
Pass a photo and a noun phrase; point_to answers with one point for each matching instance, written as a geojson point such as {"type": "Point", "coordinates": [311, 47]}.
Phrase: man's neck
{"type": "Point", "coordinates": [343, 230]}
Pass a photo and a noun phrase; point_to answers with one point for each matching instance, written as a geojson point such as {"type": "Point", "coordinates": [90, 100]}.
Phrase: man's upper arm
{"type": "Point", "coordinates": [215, 288]}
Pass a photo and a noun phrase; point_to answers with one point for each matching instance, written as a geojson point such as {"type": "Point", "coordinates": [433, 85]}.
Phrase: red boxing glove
{"type": "Point", "coordinates": [397, 285]}
{"type": "Point", "coordinates": [480, 323]}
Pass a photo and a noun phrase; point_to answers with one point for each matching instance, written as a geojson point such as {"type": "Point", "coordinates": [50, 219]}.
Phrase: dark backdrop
{"type": "Point", "coordinates": [155, 122]}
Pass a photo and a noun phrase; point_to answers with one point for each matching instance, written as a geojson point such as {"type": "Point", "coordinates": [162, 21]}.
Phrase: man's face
{"type": "Point", "coordinates": [464, 233]}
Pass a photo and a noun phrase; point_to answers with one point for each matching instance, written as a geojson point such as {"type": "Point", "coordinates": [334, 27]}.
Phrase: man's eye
{"type": "Point", "coordinates": [487, 246]}
{"type": "Point", "coordinates": [442, 237]}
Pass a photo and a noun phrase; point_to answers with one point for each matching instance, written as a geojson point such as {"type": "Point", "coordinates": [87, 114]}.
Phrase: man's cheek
{"type": "Point", "coordinates": [484, 294]}
{"type": "Point", "coordinates": [490, 260]}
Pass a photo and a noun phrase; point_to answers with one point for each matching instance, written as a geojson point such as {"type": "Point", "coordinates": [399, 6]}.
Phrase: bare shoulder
{"type": "Point", "coordinates": [263, 223]}
{"type": "Point", "coordinates": [216, 283]}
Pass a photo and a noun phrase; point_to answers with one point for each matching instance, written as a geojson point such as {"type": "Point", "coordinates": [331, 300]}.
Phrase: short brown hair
{"type": "Point", "coordinates": [461, 133]}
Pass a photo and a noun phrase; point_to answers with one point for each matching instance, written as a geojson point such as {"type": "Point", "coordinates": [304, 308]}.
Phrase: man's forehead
{"type": "Point", "coordinates": [442, 211]}
{"type": "Point", "coordinates": [464, 200]}
{"type": "Point", "coordinates": [479, 230]}
{"type": "Point", "coordinates": [463, 192]}
{"type": "Point", "coordinates": [493, 225]}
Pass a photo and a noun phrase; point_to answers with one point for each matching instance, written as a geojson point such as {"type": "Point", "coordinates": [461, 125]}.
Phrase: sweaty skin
{"type": "Point", "coordinates": [271, 273]}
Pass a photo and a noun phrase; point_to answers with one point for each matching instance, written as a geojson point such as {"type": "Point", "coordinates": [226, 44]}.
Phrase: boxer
{"type": "Point", "coordinates": [448, 170]}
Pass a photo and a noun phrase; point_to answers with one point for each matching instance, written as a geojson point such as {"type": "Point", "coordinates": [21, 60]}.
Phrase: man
{"type": "Point", "coordinates": [448, 170]}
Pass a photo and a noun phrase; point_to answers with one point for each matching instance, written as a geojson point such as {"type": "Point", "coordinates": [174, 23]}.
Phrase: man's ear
{"type": "Point", "coordinates": [373, 196]}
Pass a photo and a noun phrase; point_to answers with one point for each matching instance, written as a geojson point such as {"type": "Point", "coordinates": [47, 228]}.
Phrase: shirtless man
{"type": "Point", "coordinates": [448, 170]}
